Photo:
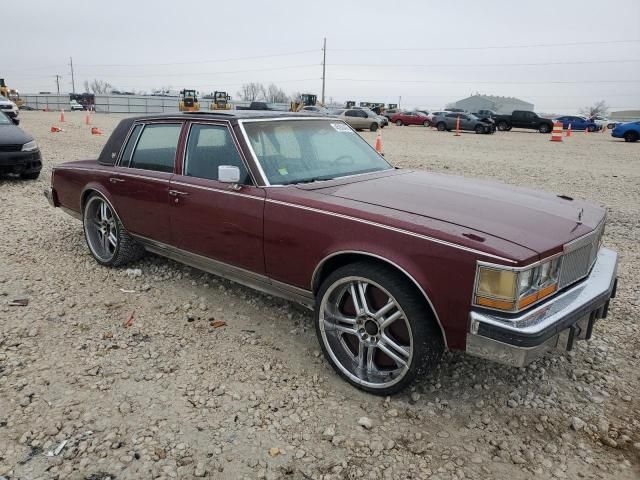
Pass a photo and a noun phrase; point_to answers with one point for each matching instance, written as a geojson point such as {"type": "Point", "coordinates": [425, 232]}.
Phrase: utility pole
{"type": "Point", "coordinates": [58, 83]}
{"type": "Point", "coordinates": [399, 101]}
{"type": "Point", "coordinates": [324, 66]}
{"type": "Point", "coordinates": [73, 80]}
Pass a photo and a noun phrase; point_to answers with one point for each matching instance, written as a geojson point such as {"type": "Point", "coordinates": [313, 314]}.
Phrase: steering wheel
{"type": "Point", "coordinates": [344, 160]}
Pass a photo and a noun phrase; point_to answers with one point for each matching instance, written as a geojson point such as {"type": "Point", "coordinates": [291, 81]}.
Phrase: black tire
{"type": "Point", "coordinates": [30, 176]}
{"type": "Point", "coordinates": [126, 249]}
{"type": "Point", "coordinates": [631, 137]}
{"type": "Point", "coordinates": [399, 123]}
{"type": "Point", "coordinates": [503, 126]}
{"type": "Point", "coordinates": [373, 127]}
{"type": "Point", "coordinates": [426, 123]}
{"type": "Point", "coordinates": [425, 344]}
{"type": "Point", "coordinates": [544, 128]}
{"type": "Point", "coordinates": [441, 126]}
{"type": "Point", "coordinates": [479, 129]}
{"type": "Point", "coordinates": [591, 128]}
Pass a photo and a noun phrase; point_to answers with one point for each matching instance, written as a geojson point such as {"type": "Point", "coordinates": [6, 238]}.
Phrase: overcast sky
{"type": "Point", "coordinates": [428, 52]}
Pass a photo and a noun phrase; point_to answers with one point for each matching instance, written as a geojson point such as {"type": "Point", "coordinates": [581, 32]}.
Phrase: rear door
{"type": "Point", "coordinates": [139, 185]}
{"type": "Point", "coordinates": [217, 220]}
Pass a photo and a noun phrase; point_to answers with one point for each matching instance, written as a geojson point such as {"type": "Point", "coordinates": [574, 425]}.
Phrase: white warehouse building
{"type": "Point", "coordinates": [502, 105]}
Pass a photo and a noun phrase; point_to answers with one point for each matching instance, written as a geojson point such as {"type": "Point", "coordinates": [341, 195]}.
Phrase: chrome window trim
{"type": "Point", "coordinates": [393, 229]}
{"type": "Point", "coordinates": [216, 123]}
{"type": "Point", "coordinates": [119, 172]}
{"type": "Point", "coordinates": [409, 276]}
{"type": "Point", "coordinates": [214, 189]}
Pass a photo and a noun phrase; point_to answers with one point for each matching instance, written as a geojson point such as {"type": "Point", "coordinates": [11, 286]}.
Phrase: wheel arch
{"type": "Point", "coordinates": [344, 257]}
{"type": "Point", "coordinates": [97, 189]}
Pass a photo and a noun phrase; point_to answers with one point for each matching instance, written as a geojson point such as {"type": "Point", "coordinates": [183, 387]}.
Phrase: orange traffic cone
{"type": "Point", "coordinates": [87, 119]}
{"type": "Point", "coordinates": [55, 129]}
{"type": "Point", "coordinates": [379, 143]}
{"type": "Point", "coordinates": [556, 133]}
{"type": "Point", "coordinates": [61, 115]}
{"type": "Point", "coordinates": [568, 131]}
{"type": "Point", "coordinates": [457, 134]}
{"type": "Point", "coordinates": [95, 131]}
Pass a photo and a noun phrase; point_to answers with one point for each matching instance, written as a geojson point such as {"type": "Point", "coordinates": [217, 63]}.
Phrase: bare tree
{"type": "Point", "coordinates": [296, 97]}
{"type": "Point", "coordinates": [251, 92]}
{"type": "Point", "coordinates": [97, 86]}
{"type": "Point", "coordinates": [598, 108]}
{"type": "Point", "coordinates": [275, 94]}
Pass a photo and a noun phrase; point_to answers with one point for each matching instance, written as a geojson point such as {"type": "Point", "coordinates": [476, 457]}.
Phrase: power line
{"type": "Point", "coordinates": [475, 65]}
{"type": "Point", "coordinates": [191, 74]}
{"type": "Point", "coordinates": [492, 47]}
{"type": "Point", "coordinates": [483, 82]}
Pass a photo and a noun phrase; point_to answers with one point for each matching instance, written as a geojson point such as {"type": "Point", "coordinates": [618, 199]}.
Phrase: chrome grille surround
{"type": "Point", "coordinates": [579, 256]}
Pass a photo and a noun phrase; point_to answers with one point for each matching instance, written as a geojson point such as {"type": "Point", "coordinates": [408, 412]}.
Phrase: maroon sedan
{"type": "Point", "coordinates": [410, 118]}
{"type": "Point", "coordinates": [399, 265]}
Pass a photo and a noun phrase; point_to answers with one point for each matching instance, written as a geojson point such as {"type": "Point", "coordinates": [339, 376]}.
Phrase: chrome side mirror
{"type": "Point", "coordinates": [228, 174]}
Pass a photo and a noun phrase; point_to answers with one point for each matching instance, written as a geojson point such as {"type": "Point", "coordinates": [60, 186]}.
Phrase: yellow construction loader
{"type": "Point", "coordinates": [189, 101]}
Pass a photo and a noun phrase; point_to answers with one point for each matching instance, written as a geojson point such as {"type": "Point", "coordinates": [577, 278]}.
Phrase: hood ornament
{"type": "Point", "coordinates": [580, 216]}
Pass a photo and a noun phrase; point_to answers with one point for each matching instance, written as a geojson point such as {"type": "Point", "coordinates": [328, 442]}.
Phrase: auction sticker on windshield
{"type": "Point", "coordinates": [341, 127]}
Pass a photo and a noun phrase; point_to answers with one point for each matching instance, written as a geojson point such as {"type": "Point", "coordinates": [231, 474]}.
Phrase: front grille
{"type": "Point", "coordinates": [6, 107]}
{"type": "Point", "coordinates": [580, 256]}
{"type": "Point", "coordinates": [10, 148]}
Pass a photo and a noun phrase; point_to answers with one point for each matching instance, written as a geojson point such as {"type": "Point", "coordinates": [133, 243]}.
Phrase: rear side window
{"type": "Point", "coordinates": [156, 148]}
{"type": "Point", "coordinates": [131, 143]}
{"type": "Point", "coordinates": [211, 146]}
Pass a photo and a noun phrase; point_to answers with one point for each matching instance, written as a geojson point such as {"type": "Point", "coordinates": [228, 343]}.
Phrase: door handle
{"type": "Point", "coordinates": [178, 193]}
{"type": "Point", "coordinates": [115, 180]}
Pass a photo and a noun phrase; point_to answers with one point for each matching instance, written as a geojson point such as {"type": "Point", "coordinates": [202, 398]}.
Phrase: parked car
{"type": "Point", "coordinates": [523, 119]}
{"type": "Point", "coordinates": [629, 131]}
{"type": "Point", "coordinates": [384, 121]}
{"type": "Point", "coordinates": [315, 109]}
{"type": "Point", "coordinates": [578, 123]}
{"type": "Point", "coordinates": [468, 122]}
{"type": "Point", "coordinates": [398, 265]}
{"type": "Point", "coordinates": [359, 119]}
{"type": "Point", "coordinates": [263, 106]}
{"type": "Point", "coordinates": [410, 118]}
{"type": "Point", "coordinates": [435, 114]}
{"type": "Point", "coordinates": [602, 121]}
{"type": "Point", "coordinates": [19, 152]}
{"type": "Point", "coordinates": [390, 112]}
{"type": "Point", "coordinates": [8, 107]}
{"type": "Point", "coordinates": [485, 114]}
{"type": "Point", "coordinates": [75, 105]}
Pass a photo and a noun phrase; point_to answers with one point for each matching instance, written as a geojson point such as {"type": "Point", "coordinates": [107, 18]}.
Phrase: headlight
{"type": "Point", "coordinates": [30, 146]}
{"type": "Point", "coordinates": [513, 290]}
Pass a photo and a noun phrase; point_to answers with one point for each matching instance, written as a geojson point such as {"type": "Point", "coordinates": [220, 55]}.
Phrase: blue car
{"type": "Point", "coordinates": [629, 131]}
{"type": "Point", "coordinates": [578, 123]}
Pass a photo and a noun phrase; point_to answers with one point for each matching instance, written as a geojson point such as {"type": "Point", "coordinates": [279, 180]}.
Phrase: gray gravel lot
{"type": "Point", "coordinates": [174, 397]}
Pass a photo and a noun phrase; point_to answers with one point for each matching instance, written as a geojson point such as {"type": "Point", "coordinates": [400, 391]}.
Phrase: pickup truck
{"type": "Point", "coordinates": [523, 119]}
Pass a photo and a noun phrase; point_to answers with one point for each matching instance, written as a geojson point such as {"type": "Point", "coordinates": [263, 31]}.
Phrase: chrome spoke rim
{"type": "Point", "coordinates": [100, 229]}
{"type": "Point", "coordinates": [366, 332]}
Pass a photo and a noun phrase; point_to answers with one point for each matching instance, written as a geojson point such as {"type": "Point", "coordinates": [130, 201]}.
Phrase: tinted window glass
{"type": "Point", "coordinates": [208, 147]}
{"type": "Point", "coordinates": [351, 113]}
{"type": "Point", "coordinates": [133, 138]}
{"type": "Point", "coordinates": [156, 149]}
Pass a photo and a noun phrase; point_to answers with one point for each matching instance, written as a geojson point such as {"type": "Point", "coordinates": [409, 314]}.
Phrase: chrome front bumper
{"type": "Point", "coordinates": [567, 317]}
{"type": "Point", "coordinates": [48, 192]}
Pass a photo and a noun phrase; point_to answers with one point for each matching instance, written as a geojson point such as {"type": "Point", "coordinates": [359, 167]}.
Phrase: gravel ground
{"type": "Point", "coordinates": [174, 395]}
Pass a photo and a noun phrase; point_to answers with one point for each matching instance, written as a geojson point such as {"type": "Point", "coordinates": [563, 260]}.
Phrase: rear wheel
{"type": "Point", "coordinates": [399, 123]}
{"type": "Point", "coordinates": [631, 136]}
{"type": "Point", "coordinates": [503, 126]}
{"type": "Point", "coordinates": [109, 243]}
{"type": "Point", "coordinates": [441, 126]}
{"type": "Point", "coordinates": [426, 123]}
{"type": "Point", "coordinates": [375, 328]}
{"type": "Point", "coordinates": [544, 128]}
{"type": "Point", "coordinates": [591, 128]}
{"type": "Point", "coordinates": [373, 127]}
{"type": "Point", "coordinates": [479, 129]}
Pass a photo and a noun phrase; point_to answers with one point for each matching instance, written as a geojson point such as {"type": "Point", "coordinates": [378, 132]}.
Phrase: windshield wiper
{"type": "Point", "coordinates": [313, 179]}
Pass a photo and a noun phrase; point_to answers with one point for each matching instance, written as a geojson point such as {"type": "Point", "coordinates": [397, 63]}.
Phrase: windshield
{"type": "Point", "coordinates": [299, 151]}
{"type": "Point", "coordinates": [4, 120]}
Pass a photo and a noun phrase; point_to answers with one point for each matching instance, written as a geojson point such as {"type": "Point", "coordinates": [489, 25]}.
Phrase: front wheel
{"type": "Point", "coordinates": [426, 123]}
{"type": "Point", "coordinates": [375, 328]}
{"type": "Point", "coordinates": [108, 241]}
{"type": "Point", "coordinates": [373, 127]}
{"type": "Point", "coordinates": [503, 126]}
{"type": "Point", "coordinates": [399, 123]}
{"type": "Point", "coordinates": [544, 128]}
{"type": "Point", "coordinates": [441, 127]}
{"type": "Point", "coordinates": [479, 129]}
{"type": "Point", "coordinates": [631, 136]}
{"type": "Point", "coordinates": [591, 128]}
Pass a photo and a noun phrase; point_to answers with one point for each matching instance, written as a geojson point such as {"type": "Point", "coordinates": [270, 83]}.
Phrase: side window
{"type": "Point", "coordinates": [131, 143]}
{"type": "Point", "coordinates": [156, 148]}
{"type": "Point", "coordinates": [208, 147]}
{"type": "Point", "coordinates": [452, 115]}
{"type": "Point", "coordinates": [351, 113]}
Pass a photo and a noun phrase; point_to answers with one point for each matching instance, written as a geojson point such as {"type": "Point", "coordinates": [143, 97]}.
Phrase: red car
{"type": "Point", "coordinates": [410, 118]}
{"type": "Point", "coordinates": [399, 265]}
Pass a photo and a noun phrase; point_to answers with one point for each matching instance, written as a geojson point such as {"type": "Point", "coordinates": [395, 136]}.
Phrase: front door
{"type": "Point", "coordinates": [140, 184]}
{"type": "Point", "coordinates": [213, 219]}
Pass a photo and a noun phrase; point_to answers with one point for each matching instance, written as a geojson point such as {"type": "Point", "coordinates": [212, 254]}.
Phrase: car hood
{"type": "Point", "coordinates": [535, 220]}
{"type": "Point", "coordinates": [13, 135]}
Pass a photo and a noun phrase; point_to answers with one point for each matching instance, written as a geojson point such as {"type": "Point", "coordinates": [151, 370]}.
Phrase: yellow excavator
{"type": "Point", "coordinates": [220, 101]}
{"type": "Point", "coordinates": [188, 101]}
{"type": "Point", "coordinates": [306, 100]}
{"type": "Point", "coordinates": [10, 93]}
